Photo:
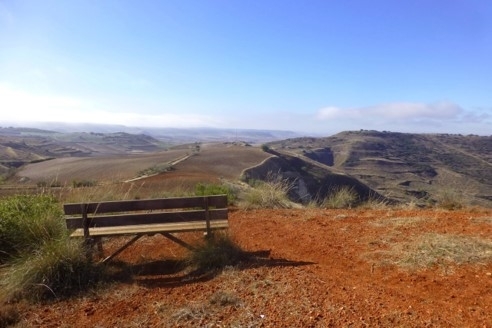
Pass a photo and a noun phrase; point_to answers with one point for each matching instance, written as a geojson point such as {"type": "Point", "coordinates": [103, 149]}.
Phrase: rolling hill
{"type": "Point", "coordinates": [403, 166]}
{"type": "Point", "coordinates": [394, 167]}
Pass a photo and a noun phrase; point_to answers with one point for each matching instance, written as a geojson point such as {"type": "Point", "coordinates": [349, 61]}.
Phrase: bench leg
{"type": "Point", "coordinates": [121, 249]}
{"type": "Point", "coordinates": [177, 240]}
{"type": "Point", "coordinates": [88, 245]}
{"type": "Point", "coordinates": [100, 250]}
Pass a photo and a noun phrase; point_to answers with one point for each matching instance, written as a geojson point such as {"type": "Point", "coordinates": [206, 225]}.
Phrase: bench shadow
{"type": "Point", "coordinates": [175, 273]}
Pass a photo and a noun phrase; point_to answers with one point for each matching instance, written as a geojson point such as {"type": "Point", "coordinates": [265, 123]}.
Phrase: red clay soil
{"type": "Point", "coordinates": [315, 268]}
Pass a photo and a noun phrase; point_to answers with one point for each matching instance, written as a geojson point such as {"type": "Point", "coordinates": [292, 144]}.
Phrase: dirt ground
{"type": "Point", "coordinates": [314, 268]}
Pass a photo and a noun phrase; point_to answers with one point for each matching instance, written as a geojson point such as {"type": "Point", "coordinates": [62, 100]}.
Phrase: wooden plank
{"type": "Point", "coordinates": [153, 228]}
{"type": "Point", "coordinates": [146, 218]}
{"type": "Point", "coordinates": [216, 201]}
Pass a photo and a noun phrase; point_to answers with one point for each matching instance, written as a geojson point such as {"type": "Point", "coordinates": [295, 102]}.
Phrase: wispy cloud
{"type": "Point", "coordinates": [443, 117]}
{"type": "Point", "coordinates": [394, 112]}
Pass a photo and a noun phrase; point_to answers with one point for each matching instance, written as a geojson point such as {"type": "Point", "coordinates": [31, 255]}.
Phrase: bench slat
{"type": "Point", "coordinates": [152, 228]}
{"type": "Point", "coordinates": [215, 201]}
{"type": "Point", "coordinates": [146, 218]}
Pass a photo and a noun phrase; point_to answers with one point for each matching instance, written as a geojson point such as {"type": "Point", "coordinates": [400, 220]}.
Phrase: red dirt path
{"type": "Point", "coordinates": [324, 268]}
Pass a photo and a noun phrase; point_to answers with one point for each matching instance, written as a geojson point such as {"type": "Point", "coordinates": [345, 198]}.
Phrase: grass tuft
{"type": "Point", "coordinates": [223, 298]}
{"type": "Point", "coordinates": [271, 194]}
{"type": "Point", "coordinates": [38, 257]}
{"type": "Point", "coordinates": [216, 252]}
{"type": "Point", "coordinates": [341, 197]}
{"type": "Point", "coordinates": [449, 199]}
{"type": "Point", "coordinates": [26, 221]}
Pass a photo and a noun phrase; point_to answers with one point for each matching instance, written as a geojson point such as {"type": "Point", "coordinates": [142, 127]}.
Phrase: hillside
{"type": "Point", "coordinates": [20, 146]}
{"type": "Point", "coordinates": [313, 268]}
{"type": "Point", "coordinates": [402, 166]}
{"type": "Point", "coordinates": [394, 167]}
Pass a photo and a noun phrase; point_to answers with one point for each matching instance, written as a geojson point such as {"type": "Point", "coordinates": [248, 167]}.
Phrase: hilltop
{"type": "Point", "coordinates": [403, 166]}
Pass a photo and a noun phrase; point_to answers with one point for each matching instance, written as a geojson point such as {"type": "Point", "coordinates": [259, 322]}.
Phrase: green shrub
{"type": "Point", "coordinates": [156, 169]}
{"type": "Point", "coordinates": [341, 197]}
{"type": "Point", "coordinates": [202, 189]}
{"type": "Point", "coordinates": [83, 183]}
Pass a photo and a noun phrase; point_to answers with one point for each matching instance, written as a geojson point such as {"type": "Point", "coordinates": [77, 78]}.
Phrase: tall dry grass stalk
{"type": "Point", "coordinates": [271, 194]}
{"type": "Point", "coordinates": [341, 197]}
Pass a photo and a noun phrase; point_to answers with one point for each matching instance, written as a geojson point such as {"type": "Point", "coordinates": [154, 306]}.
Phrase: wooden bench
{"type": "Point", "coordinates": [164, 216]}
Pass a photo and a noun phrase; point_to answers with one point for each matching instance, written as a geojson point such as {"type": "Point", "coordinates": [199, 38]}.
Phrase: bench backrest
{"type": "Point", "coordinates": [147, 211]}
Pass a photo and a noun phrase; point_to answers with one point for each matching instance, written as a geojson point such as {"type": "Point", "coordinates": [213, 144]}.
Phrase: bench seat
{"type": "Point", "coordinates": [146, 229]}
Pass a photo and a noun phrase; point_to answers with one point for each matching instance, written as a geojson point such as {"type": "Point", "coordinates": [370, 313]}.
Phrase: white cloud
{"type": "Point", "coordinates": [405, 111]}
{"type": "Point", "coordinates": [329, 113]}
{"type": "Point", "coordinates": [397, 111]}
{"type": "Point", "coordinates": [20, 106]}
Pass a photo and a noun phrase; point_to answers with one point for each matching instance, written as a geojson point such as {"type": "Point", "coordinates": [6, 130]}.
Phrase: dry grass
{"type": "Point", "coordinates": [271, 194]}
{"type": "Point", "coordinates": [341, 197]}
{"type": "Point", "coordinates": [440, 249]}
{"type": "Point", "coordinates": [401, 221]}
{"type": "Point", "coordinates": [483, 219]}
{"type": "Point", "coordinates": [9, 315]}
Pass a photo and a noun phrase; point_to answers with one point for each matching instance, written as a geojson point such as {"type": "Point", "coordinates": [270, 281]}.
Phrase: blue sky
{"type": "Point", "coordinates": [309, 66]}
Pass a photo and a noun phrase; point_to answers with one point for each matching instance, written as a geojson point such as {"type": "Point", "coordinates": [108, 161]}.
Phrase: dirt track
{"type": "Point", "coordinates": [320, 268]}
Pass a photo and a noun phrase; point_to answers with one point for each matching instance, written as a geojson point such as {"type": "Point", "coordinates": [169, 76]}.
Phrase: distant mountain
{"type": "Point", "coordinates": [19, 146]}
{"type": "Point", "coordinates": [172, 136]}
{"type": "Point", "coordinates": [403, 166]}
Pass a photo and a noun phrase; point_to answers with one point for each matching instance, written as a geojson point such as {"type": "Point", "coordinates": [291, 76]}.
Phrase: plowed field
{"type": "Point", "coordinates": [314, 268]}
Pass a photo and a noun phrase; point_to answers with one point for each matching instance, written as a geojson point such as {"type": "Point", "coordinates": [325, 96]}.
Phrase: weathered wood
{"type": "Point", "coordinates": [152, 228]}
{"type": "Point", "coordinates": [217, 201]}
{"type": "Point", "coordinates": [145, 218]}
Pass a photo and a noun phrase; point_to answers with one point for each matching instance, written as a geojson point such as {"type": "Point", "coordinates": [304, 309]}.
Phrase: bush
{"type": "Point", "coordinates": [83, 183]}
{"type": "Point", "coordinates": [214, 189]}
